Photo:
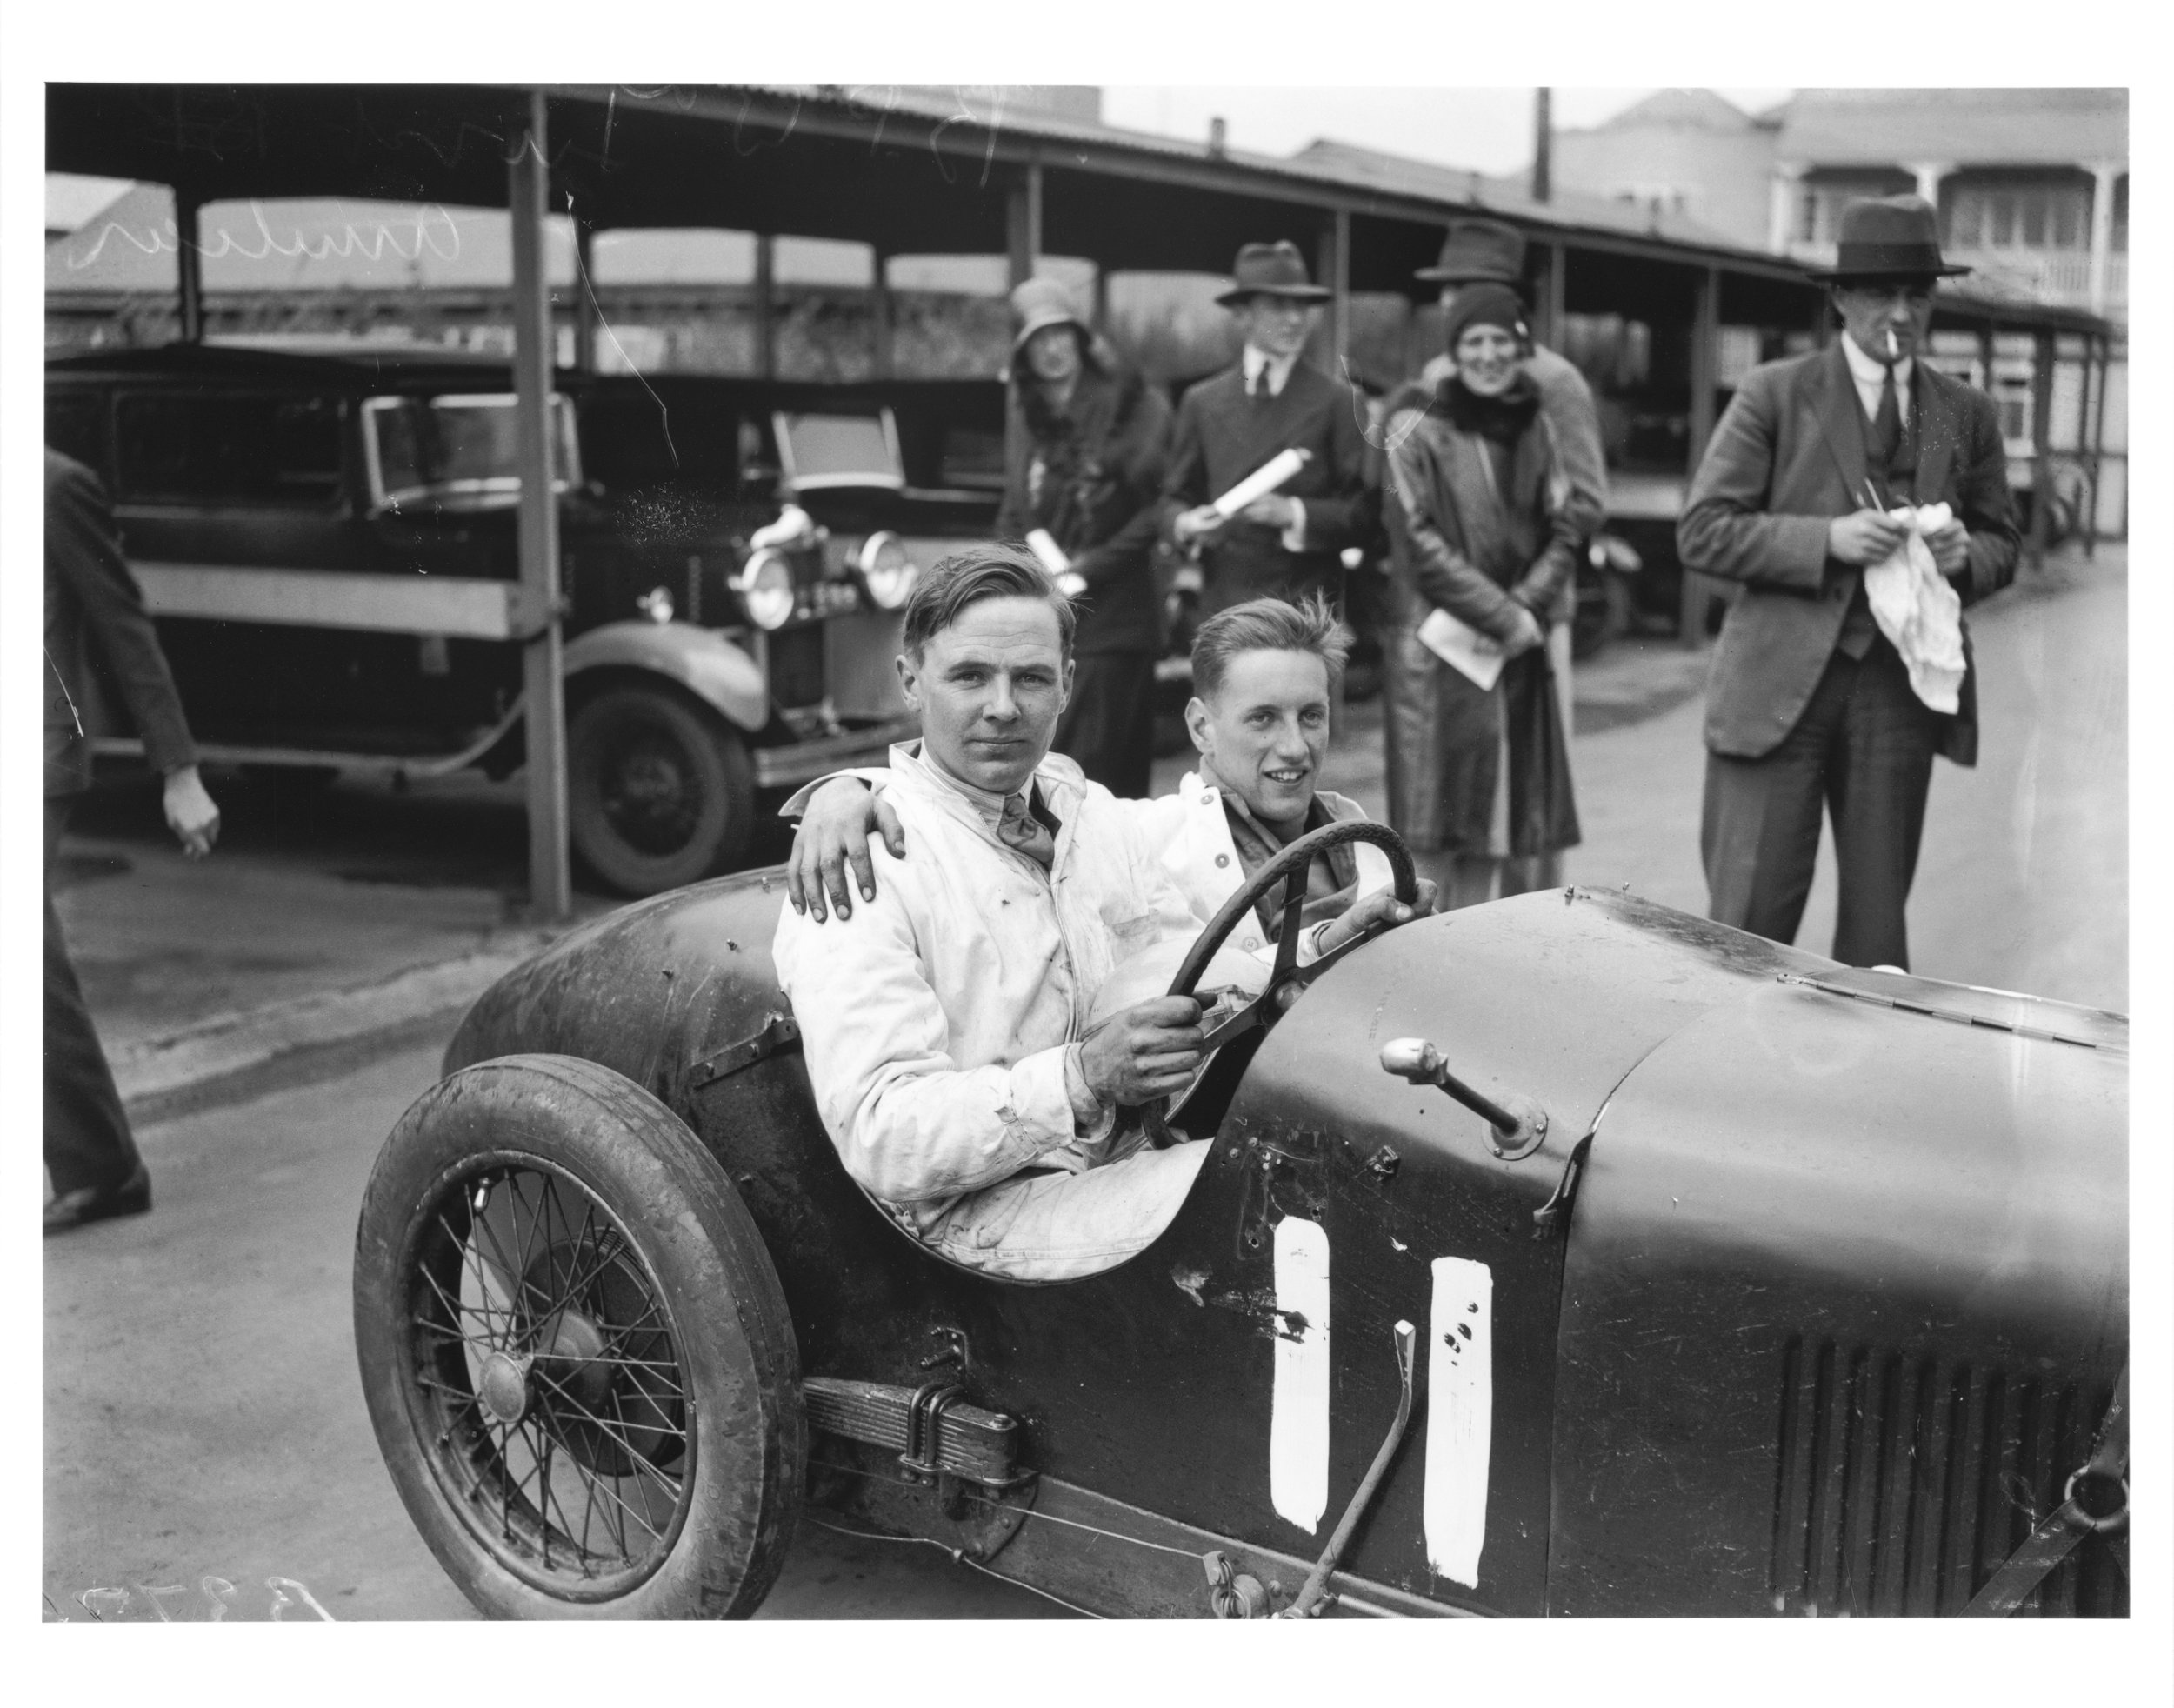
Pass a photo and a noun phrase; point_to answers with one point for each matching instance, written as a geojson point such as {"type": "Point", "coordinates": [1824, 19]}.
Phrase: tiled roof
{"type": "Point", "coordinates": [1699, 108]}
{"type": "Point", "coordinates": [2004, 127]}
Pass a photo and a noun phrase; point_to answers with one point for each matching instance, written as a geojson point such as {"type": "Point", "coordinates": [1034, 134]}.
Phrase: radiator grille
{"type": "Point", "coordinates": [1903, 1482]}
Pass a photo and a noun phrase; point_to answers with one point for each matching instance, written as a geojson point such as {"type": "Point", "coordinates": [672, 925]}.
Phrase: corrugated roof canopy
{"type": "Point", "coordinates": [894, 168]}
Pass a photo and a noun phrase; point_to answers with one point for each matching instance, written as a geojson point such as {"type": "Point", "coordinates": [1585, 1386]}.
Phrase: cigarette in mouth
{"type": "Point", "coordinates": [1894, 351]}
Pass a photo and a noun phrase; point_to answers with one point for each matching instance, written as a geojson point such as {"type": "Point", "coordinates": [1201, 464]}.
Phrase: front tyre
{"type": "Point", "coordinates": [574, 1350]}
{"type": "Point", "coordinates": [659, 789]}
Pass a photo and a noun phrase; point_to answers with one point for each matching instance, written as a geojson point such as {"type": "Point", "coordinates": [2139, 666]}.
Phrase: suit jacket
{"type": "Point", "coordinates": [1222, 436]}
{"type": "Point", "coordinates": [1787, 458]}
{"type": "Point", "coordinates": [91, 600]}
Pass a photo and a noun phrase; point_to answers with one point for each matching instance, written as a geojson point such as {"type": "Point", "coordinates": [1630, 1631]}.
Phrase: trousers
{"type": "Point", "coordinates": [1050, 1224]}
{"type": "Point", "coordinates": [1863, 748]}
{"type": "Point", "coordinates": [87, 1137]}
{"type": "Point", "coordinates": [1109, 724]}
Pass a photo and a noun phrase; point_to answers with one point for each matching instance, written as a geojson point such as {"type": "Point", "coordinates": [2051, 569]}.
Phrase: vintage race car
{"type": "Point", "coordinates": [1569, 1255]}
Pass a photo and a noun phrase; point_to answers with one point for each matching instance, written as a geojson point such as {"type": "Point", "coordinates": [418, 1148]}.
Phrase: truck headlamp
{"type": "Point", "coordinates": [765, 586]}
{"type": "Point", "coordinates": [886, 571]}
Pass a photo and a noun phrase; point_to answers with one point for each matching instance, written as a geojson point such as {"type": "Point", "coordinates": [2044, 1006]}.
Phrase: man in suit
{"type": "Point", "coordinates": [92, 602]}
{"type": "Point", "coordinates": [1808, 701]}
{"type": "Point", "coordinates": [1290, 541]}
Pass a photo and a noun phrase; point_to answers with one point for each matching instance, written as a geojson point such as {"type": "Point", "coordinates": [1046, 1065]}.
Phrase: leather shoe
{"type": "Point", "coordinates": [97, 1203]}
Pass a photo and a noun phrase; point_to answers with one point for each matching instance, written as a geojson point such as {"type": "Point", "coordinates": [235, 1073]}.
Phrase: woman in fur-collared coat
{"type": "Point", "coordinates": [1478, 528]}
{"type": "Point", "coordinates": [1086, 442]}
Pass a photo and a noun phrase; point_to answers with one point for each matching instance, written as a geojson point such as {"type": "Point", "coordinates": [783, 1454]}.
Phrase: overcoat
{"type": "Point", "coordinates": [1786, 459]}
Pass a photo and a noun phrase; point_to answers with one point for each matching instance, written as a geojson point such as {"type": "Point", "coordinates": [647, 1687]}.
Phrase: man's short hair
{"type": "Point", "coordinates": [997, 570]}
{"type": "Point", "coordinates": [1273, 625]}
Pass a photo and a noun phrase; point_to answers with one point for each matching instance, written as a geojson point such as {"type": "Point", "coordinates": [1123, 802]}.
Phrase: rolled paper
{"type": "Point", "coordinates": [1258, 484]}
{"type": "Point", "coordinates": [1050, 554]}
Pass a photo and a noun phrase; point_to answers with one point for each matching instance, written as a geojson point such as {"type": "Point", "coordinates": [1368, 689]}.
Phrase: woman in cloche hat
{"type": "Point", "coordinates": [1086, 441]}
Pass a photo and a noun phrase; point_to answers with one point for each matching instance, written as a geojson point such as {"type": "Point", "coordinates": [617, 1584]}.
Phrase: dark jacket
{"type": "Point", "coordinates": [1460, 536]}
{"type": "Point", "coordinates": [1093, 478]}
{"type": "Point", "coordinates": [1787, 458]}
{"type": "Point", "coordinates": [92, 601]}
{"type": "Point", "coordinates": [1224, 436]}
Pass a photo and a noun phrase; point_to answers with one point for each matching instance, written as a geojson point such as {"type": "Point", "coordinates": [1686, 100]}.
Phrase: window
{"type": "Point", "coordinates": [458, 452]}
{"type": "Point", "coordinates": [2029, 216]}
{"type": "Point", "coordinates": [233, 449]}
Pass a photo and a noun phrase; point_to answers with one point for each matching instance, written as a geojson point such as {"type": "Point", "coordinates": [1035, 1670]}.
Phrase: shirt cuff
{"type": "Point", "coordinates": [1294, 535]}
{"type": "Point", "coordinates": [1088, 1116]}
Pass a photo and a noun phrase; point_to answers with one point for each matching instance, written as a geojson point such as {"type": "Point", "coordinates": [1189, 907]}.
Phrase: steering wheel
{"type": "Point", "coordinates": [1287, 980]}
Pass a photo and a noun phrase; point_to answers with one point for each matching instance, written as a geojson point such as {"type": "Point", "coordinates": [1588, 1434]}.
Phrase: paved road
{"type": "Point", "coordinates": [202, 1414]}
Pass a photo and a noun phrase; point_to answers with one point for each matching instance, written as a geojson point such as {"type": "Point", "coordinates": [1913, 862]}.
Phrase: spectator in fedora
{"type": "Point", "coordinates": [1809, 702]}
{"type": "Point", "coordinates": [1086, 442]}
{"type": "Point", "coordinates": [1486, 251]}
{"type": "Point", "coordinates": [1290, 541]}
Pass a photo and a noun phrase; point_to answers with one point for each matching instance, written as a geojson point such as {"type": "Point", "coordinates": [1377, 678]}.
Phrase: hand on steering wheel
{"type": "Point", "coordinates": [1287, 980]}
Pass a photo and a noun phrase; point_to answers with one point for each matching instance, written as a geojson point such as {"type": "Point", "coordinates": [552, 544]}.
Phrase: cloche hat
{"type": "Point", "coordinates": [1043, 302]}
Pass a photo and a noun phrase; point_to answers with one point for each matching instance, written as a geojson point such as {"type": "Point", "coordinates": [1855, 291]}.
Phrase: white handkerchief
{"type": "Point", "coordinates": [1919, 612]}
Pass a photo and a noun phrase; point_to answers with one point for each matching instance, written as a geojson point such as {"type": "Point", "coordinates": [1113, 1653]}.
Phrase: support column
{"type": "Point", "coordinates": [2105, 173]}
{"type": "Point", "coordinates": [189, 263]}
{"type": "Point", "coordinates": [1781, 208]}
{"type": "Point", "coordinates": [2098, 436]}
{"type": "Point", "coordinates": [2041, 441]}
{"type": "Point", "coordinates": [543, 687]}
{"type": "Point", "coordinates": [1102, 299]}
{"type": "Point", "coordinates": [1698, 590]}
{"type": "Point", "coordinates": [584, 296]}
{"type": "Point", "coordinates": [880, 320]}
{"type": "Point", "coordinates": [1928, 174]}
{"type": "Point", "coordinates": [765, 306]}
{"type": "Point", "coordinates": [1334, 263]}
{"type": "Point", "coordinates": [1022, 223]}
{"type": "Point", "coordinates": [1550, 296]}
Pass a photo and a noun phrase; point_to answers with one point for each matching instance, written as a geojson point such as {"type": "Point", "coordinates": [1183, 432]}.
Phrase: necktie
{"type": "Point", "coordinates": [1020, 829]}
{"type": "Point", "coordinates": [1886, 436]}
{"type": "Point", "coordinates": [1258, 390]}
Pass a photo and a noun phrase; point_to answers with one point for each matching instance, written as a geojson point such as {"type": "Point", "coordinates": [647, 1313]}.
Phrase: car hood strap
{"type": "Point", "coordinates": [2071, 1521]}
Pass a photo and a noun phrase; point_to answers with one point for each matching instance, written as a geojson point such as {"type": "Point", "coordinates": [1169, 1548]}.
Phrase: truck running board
{"type": "Point", "coordinates": [929, 1427]}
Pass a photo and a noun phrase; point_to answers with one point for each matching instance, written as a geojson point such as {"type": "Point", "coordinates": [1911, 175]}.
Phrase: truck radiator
{"type": "Point", "coordinates": [1902, 1483]}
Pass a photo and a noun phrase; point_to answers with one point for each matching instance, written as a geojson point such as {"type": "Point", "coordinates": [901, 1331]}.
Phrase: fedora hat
{"type": "Point", "coordinates": [1043, 302]}
{"type": "Point", "coordinates": [1892, 236]}
{"type": "Point", "coordinates": [1473, 249]}
{"type": "Point", "coordinates": [1272, 270]}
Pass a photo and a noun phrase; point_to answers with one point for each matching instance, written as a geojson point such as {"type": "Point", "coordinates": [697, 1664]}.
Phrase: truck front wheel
{"type": "Point", "coordinates": [660, 792]}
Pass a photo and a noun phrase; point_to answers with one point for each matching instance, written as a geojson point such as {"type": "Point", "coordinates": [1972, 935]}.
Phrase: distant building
{"type": "Point", "coordinates": [1680, 151]}
{"type": "Point", "coordinates": [2032, 185]}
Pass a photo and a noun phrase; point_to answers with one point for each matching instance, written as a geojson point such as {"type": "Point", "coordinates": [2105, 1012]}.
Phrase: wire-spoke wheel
{"type": "Point", "coordinates": [574, 1350]}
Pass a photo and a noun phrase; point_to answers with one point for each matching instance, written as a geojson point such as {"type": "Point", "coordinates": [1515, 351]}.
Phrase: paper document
{"type": "Point", "coordinates": [1045, 548]}
{"type": "Point", "coordinates": [1456, 642]}
{"type": "Point", "coordinates": [1262, 482]}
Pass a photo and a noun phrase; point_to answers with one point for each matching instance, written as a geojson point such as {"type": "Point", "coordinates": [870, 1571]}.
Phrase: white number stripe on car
{"type": "Point", "coordinates": [1460, 1417]}
{"type": "Point", "coordinates": [1298, 1427]}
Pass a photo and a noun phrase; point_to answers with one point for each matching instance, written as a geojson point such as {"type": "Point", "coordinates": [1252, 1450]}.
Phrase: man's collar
{"type": "Point", "coordinates": [1871, 370]}
{"type": "Point", "coordinates": [1279, 367]}
{"type": "Point", "coordinates": [1055, 775]}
